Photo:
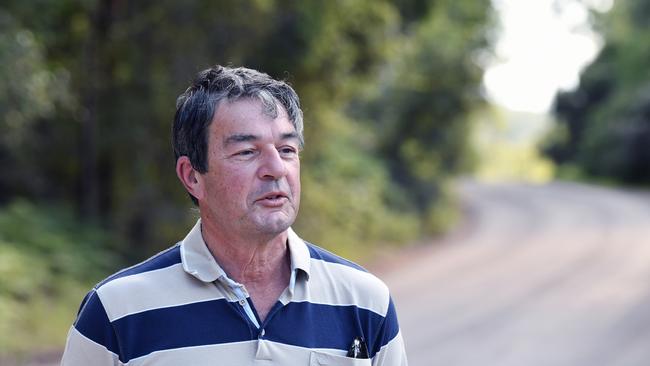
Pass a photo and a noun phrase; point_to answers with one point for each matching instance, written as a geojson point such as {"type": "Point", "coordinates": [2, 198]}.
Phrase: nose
{"type": "Point", "coordinates": [272, 166]}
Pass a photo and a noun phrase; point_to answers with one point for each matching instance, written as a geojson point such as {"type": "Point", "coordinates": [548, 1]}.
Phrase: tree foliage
{"type": "Point", "coordinates": [604, 125]}
{"type": "Point", "coordinates": [87, 95]}
{"type": "Point", "coordinates": [385, 86]}
{"type": "Point", "coordinates": [420, 107]}
{"type": "Point", "coordinates": [48, 259]}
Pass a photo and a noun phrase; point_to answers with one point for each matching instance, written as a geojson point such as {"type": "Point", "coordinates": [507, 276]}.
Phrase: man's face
{"type": "Point", "coordinates": [252, 184]}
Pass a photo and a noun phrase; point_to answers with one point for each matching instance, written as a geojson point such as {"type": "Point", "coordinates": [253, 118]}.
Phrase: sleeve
{"type": "Point", "coordinates": [91, 340]}
{"type": "Point", "coordinates": [390, 349]}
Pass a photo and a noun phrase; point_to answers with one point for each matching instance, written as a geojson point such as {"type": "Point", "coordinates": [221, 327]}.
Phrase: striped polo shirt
{"type": "Point", "coordinates": [180, 308]}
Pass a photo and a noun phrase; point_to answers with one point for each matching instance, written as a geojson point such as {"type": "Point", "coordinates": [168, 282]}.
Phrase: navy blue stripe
{"type": "Point", "coordinates": [316, 252]}
{"type": "Point", "coordinates": [202, 323]}
{"type": "Point", "coordinates": [301, 324]}
{"type": "Point", "coordinates": [93, 323]}
{"type": "Point", "coordinates": [161, 260]}
{"type": "Point", "coordinates": [310, 325]}
{"type": "Point", "coordinates": [388, 331]}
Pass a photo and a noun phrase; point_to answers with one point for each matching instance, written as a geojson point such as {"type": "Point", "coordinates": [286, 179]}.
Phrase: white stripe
{"type": "Point", "coordinates": [235, 354]}
{"type": "Point", "coordinates": [82, 351]}
{"type": "Point", "coordinates": [238, 353]}
{"type": "Point", "coordinates": [338, 284]}
{"type": "Point", "coordinates": [392, 354]}
{"type": "Point", "coordinates": [166, 287]}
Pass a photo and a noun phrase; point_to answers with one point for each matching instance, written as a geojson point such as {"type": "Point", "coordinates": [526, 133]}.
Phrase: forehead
{"type": "Point", "coordinates": [248, 115]}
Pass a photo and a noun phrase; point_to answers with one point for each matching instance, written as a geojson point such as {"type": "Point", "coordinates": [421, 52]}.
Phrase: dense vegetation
{"type": "Point", "coordinates": [604, 125]}
{"type": "Point", "coordinates": [87, 93]}
{"type": "Point", "coordinates": [47, 262]}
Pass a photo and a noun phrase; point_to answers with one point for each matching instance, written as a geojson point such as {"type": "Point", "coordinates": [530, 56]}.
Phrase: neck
{"type": "Point", "coordinates": [248, 260]}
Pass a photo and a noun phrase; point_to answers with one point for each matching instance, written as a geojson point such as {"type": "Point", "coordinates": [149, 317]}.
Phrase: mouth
{"type": "Point", "coordinates": [273, 197]}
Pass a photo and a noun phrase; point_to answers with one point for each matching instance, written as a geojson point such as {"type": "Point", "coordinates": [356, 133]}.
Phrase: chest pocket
{"type": "Point", "coordinates": [328, 359]}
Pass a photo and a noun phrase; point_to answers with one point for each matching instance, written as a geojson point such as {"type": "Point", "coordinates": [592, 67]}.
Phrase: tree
{"type": "Point", "coordinates": [385, 86]}
{"type": "Point", "coordinates": [422, 107]}
{"type": "Point", "coordinates": [604, 125]}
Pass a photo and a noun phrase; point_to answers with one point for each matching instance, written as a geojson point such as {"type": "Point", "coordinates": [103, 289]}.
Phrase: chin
{"type": "Point", "coordinates": [275, 225]}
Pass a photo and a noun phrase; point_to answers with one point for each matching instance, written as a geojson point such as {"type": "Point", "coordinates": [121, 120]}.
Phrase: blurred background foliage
{"type": "Point", "coordinates": [603, 127]}
{"type": "Point", "coordinates": [87, 94]}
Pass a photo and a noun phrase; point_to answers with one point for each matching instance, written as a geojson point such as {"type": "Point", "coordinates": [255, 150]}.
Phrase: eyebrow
{"type": "Point", "coordinates": [232, 139]}
{"type": "Point", "coordinates": [289, 136]}
{"type": "Point", "coordinates": [239, 138]}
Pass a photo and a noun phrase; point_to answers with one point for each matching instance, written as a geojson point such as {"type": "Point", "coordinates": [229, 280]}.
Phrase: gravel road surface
{"type": "Point", "coordinates": [555, 274]}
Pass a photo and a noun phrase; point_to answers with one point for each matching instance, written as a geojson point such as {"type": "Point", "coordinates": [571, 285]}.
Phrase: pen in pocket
{"type": "Point", "coordinates": [358, 348]}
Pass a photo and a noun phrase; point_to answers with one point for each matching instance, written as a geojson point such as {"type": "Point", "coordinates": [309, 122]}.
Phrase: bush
{"type": "Point", "coordinates": [48, 260]}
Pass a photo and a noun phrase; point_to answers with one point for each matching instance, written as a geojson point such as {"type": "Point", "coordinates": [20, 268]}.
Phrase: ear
{"type": "Point", "coordinates": [191, 179]}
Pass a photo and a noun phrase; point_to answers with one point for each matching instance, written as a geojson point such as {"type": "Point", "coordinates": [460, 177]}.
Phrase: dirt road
{"type": "Point", "coordinates": [557, 274]}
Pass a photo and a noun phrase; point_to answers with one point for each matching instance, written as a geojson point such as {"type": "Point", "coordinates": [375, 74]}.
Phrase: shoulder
{"type": "Point", "coordinates": [126, 292]}
{"type": "Point", "coordinates": [164, 259]}
{"type": "Point", "coordinates": [346, 282]}
{"type": "Point", "coordinates": [318, 253]}
{"type": "Point", "coordinates": [134, 288]}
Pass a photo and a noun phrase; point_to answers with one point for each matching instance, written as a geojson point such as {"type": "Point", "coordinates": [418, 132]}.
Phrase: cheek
{"type": "Point", "coordinates": [224, 187]}
{"type": "Point", "coordinates": [234, 185]}
{"type": "Point", "coordinates": [295, 180]}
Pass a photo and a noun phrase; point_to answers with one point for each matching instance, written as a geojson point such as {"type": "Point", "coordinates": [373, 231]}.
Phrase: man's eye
{"type": "Point", "coordinates": [287, 150]}
{"type": "Point", "coordinates": [245, 153]}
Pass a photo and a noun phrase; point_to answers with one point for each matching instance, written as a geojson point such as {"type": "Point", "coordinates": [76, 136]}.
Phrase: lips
{"type": "Point", "coordinates": [272, 196]}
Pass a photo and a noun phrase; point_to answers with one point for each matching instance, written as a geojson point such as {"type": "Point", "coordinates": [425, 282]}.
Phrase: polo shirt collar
{"type": "Point", "coordinates": [299, 253]}
{"type": "Point", "coordinates": [199, 262]}
{"type": "Point", "coordinates": [196, 257]}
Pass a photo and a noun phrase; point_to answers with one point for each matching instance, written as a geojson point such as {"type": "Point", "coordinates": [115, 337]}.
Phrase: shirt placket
{"type": "Point", "coordinates": [242, 299]}
{"type": "Point", "coordinates": [239, 295]}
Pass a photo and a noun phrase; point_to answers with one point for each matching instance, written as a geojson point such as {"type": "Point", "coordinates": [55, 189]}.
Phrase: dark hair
{"type": "Point", "coordinates": [195, 108]}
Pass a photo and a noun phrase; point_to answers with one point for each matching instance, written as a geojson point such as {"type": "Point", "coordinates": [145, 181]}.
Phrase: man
{"type": "Point", "coordinates": [242, 288]}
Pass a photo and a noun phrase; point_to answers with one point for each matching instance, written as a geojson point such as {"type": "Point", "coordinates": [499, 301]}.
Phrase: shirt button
{"type": "Point", "coordinates": [242, 302]}
{"type": "Point", "coordinates": [262, 333]}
